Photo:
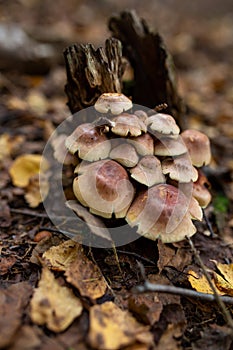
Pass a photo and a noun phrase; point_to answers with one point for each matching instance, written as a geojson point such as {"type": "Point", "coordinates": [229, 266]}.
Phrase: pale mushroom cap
{"type": "Point", "coordinates": [144, 144]}
{"type": "Point", "coordinates": [105, 188]}
{"type": "Point", "coordinates": [163, 123]}
{"type": "Point", "coordinates": [162, 212]}
{"type": "Point", "coordinates": [128, 124]}
{"type": "Point", "coordinates": [114, 103]}
{"type": "Point", "coordinates": [180, 169]}
{"type": "Point", "coordinates": [148, 171]}
{"type": "Point", "coordinates": [141, 115]}
{"type": "Point", "coordinates": [124, 154]}
{"type": "Point", "coordinates": [60, 151]}
{"type": "Point", "coordinates": [169, 147]}
{"type": "Point", "coordinates": [88, 142]}
{"type": "Point", "coordinates": [198, 145]}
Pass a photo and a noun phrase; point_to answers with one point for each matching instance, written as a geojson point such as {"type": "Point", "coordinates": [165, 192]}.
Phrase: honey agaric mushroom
{"type": "Point", "coordinates": [198, 145]}
{"type": "Point", "coordinates": [180, 169]}
{"type": "Point", "coordinates": [124, 154]}
{"type": "Point", "coordinates": [88, 141]}
{"type": "Point", "coordinates": [164, 212]}
{"type": "Point", "coordinates": [169, 147]}
{"type": "Point", "coordinates": [141, 115]}
{"type": "Point", "coordinates": [144, 144]}
{"type": "Point", "coordinates": [163, 124]}
{"type": "Point", "coordinates": [105, 188]}
{"type": "Point", "coordinates": [114, 103]}
{"type": "Point", "coordinates": [60, 151]}
{"type": "Point", "coordinates": [148, 171]}
{"type": "Point", "coordinates": [128, 124]}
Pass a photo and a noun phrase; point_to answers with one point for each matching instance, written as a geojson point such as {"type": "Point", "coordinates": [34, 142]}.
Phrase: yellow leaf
{"type": "Point", "coordinates": [26, 166]}
{"type": "Point", "coordinates": [36, 190]}
{"type": "Point", "coordinates": [54, 305]}
{"type": "Point", "coordinates": [224, 284]}
{"type": "Point", "coordinates": [60, 257]}
{"type": "Point", "coordinates": [112, 328]}
{"type": "Point", "coordinates": [199, 283]}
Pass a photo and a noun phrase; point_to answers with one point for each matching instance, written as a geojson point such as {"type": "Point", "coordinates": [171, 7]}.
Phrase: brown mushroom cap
{"type": "Point", "coordinates": [148, 171]}
{"type": "Point", "coordinates": [198, 145]}
{"type": "Point", "coordinates": [114, 103]}
{"type": "Point", "coordinates": [169, 147]}
{"type": "Point", "coordinates": [144, 144]}
{"type": "Point", "coordinates": [180, 169]}
{"type": "Point", "coordinates": [89, 142]}
{"type": "Point", "coordinates": [163, 124]}
{"type": "Point", "coordinates": [128, 124]}
{"type": "Point", "coordinates": [200, 190]}
{"type": "Point", "coordinates": [163, 211]}
{"type": "Point", "coordinates": [105, 188]}
{"type": "Point", "coordinates": [124, 154]}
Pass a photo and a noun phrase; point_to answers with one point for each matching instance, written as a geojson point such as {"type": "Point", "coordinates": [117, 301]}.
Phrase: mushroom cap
{"type": "Point", "coordinates": [200, 190]}
{"type": "Point", "coordinates": [163, 124]}
{"type": "Point", "coordinates": [141, 115]}
{"type": "Point", "coordinates": [89, 142]}
{"type": "Point", "coordinates": [144, 144]}
{"type": "Point", "coordinates": [180, 169]}
{"type": "Point", "coordinates": [128, 124]}
{"type": "Point", "coordinates": [124, 154]}
{"type": "Point", "coordinates": [60, 151]}
{"type": "Point", "coordinates": [148, 171]}
{"type": "Point", "coordinates": [105, 188]}
{"type": "Point", "coordinates": [198, 145]}
{"type": "Point", "coordinates": [112, 102]}
{"type": "Point", "coordinates": [169, 147]}
{"type": "Point", "coordinates": [163, 211]}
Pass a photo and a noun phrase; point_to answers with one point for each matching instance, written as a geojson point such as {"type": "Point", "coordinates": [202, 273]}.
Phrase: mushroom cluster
{"type": "Point", "coordinates": [135, 164]}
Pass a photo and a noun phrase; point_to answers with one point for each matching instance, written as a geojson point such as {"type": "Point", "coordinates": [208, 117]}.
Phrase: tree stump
{"type": "Point", "coordinates": [91, 72]}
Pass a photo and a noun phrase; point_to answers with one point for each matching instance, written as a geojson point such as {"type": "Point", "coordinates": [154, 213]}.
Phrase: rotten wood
{"type": "Point", "coordinates": [91, 72]}
{"type": "Point", "coordinates": [154, 72]}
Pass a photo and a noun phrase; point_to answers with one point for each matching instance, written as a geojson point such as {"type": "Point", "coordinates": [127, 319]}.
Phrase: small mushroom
{"type": "Point", "coordinates": [148, 171]}
{"type": "Point", "coordinates": [180, 169]}
{"type": "Point", "coordinates": [60, 151]}
{"type": "Point", "coordinates": [114, 103]}
{"type": "Point", "coordinates": [141, 115]}
{"type": "Point", "coordinates": [124, 154]}
{"type": "Point", "coordinates": [164, 212]}
{"type": "Point", "coordinates": [88, 142]}
{"type": "Point", "coordinates": [169, 147]}
{"type": "Point", "coordinates": [198, 145]}
{"type": "Point", "coordinates": [200, 190]}
{"type": "Point", "coordinates": [163, 124]}
{"type": "Point", "coordinates": [144, 144]}
{"type": "Point", "coordinates": [105, 188]}
{"type": "Point", "coordinates": [128, 124]}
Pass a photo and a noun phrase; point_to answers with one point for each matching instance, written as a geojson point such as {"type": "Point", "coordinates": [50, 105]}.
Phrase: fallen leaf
{"type": "Point", "coordinates": [60, 257]}
{"type": "Point", "coordinates": [225, 283]}
{"type": "Point", "coordinates": [54, 305]}
{"type": "Point", "coordinates": [43, 246]}
{"type": "Point", "coordinates": [36, 190]}
{"type": "Point", "coordinates": [200, 283]}
{"type": "Point", "coordinates": [86, 276]}
{"type": "Point", "coordinates": [112, 328]}
{"type": "Point", "coordinates": [13, 301]}
{"type": "Point", "coordinates": [168, 340]}
{"type": "Point", "coordinates": [146, 307]}
{"type": "Point", "coordinates": [27, 338]}
{"type": "Point", "coordinates": [6, 262]}
{"type": "Point", "coordinates": [26, 166]}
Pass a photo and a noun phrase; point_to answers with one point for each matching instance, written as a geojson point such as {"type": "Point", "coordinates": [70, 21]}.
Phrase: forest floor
{"type": "Point", "coordinates": [44, 300]}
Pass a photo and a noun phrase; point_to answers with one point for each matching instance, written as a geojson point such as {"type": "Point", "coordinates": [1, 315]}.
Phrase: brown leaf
{"type": "Point", "coordinates": [6, 262]}
{"type": "Point", "coordinates": [146, 307]}
{"type": "Point", "coordinates": [27, 338]}
{"type": "Point", "coordinates": [42, 247]}
{"type": "Point", "coordinates": [13, 301]}
{"type": "Point", "coordinates": [53, 305]}
{"type": "Point", "coordinates": [169, 340]}
{"type": "Point", "coordinates": [5, 214]}
{"type": "Point", "coordinates": [112, 328]}
{"type": "Point", "coordinates": [83, 274]}
{"type": "Point", "coordinates": [36, 190]}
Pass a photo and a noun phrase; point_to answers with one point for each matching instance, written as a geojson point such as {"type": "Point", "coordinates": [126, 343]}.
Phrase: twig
{"type": "Point", "coordinates": [137, 256]}
{"type": "Point", "coordinates": [208, 224]}
{"type": "Point", "coordinates": [160, 288]}
{"type": "Point", "coordinates": [217, 297]}
{"type": "Point", "coordinates": [29, 213]}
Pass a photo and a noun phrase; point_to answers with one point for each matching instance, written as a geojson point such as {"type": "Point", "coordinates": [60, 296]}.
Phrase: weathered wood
{"type": "Point", "coordinates": [91, 72]}
{"type": "Point", "coordinates": [154, 74]}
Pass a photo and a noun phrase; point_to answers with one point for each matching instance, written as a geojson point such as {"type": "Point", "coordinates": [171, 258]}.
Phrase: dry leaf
{"type": "Point", "coordinates": [26, 166]}
{"type": "Point", "coordinates": [53, 305]}
{"type": "Point", "coordinates": [60, 257]}
{"type": "Point", "coordinates": [200, 283]}
{"type": "Point", "coordinates": [83, 274]}
{"type": "Point", "coordinates": [225, 283]}
{"type": "Point", "coordinates": [37, 190]}
{"type": "Point", "coordinates": [8, 144]}
{"type": "Point", "coordinates": [146, 307]}
{"type": "Point", "coordinates": [112, 328]}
